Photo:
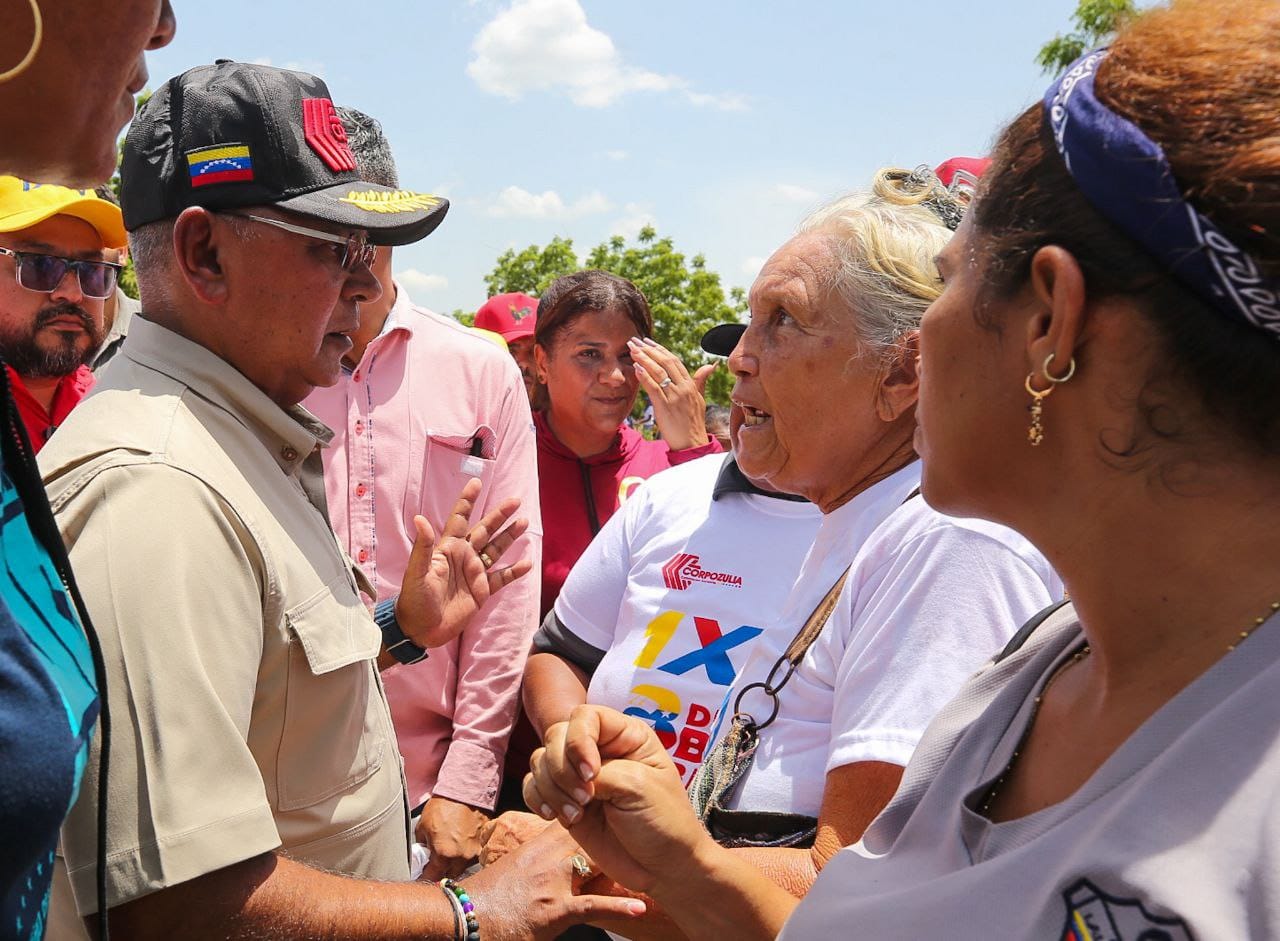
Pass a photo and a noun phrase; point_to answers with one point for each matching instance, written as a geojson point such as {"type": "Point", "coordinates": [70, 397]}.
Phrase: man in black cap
{"type": "Point", "coordinates": [252, 753]}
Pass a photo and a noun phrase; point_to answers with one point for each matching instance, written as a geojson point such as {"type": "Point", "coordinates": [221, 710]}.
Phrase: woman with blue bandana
{"type": "Point", "coordinates": [1101, 373]}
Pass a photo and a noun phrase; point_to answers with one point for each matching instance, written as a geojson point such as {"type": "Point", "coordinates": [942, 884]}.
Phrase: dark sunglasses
{"type": "Point", "coordinates": [43, 273]}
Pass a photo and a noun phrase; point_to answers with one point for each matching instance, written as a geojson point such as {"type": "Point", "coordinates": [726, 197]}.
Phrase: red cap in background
{"type": "Point", "coordinates": [960, 175]}
{"type": "Point", "coordinates": [512, 316]}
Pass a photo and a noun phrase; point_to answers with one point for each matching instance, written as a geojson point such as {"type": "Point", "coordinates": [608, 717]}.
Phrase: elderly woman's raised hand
{"type": "Point", "coordinates": [608, 779]}
{"type": "Point", "coordinates": [679, 405]}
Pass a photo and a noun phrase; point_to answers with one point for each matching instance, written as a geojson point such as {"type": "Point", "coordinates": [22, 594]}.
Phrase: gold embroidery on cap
{"type": "Point", "coordinates": [398, 201]}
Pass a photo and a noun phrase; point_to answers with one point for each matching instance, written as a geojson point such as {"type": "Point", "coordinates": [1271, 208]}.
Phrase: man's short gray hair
{"type": "Point", "coordinates": [884, 242]}
{"type": "Point", "coordinates": [371, 149]}
{"type": "Point", "coordinates": [151, 247]}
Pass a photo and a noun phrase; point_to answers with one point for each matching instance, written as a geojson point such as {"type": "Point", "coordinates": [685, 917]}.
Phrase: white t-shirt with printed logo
{"type": "Point", "coordinates": [678, 588]}
{"type": "Point", "coordinates": [929, 599]}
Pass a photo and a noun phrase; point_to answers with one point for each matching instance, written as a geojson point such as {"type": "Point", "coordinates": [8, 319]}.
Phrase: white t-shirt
{"type": "Point", "coordinates": [928, 600]}
{"type": "Point", "coordinates": [678, 588]}
{"type": "Point", "coordinates": [1176, 836]}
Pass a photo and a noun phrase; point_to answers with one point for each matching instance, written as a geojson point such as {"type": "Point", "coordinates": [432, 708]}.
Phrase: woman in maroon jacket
{"type": "Point", "coordinates": [594, 349]}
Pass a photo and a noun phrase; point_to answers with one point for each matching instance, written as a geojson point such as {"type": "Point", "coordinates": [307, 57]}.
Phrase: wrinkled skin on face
{"type": "Point", "coordinates": [808, 416]}
{"type": "Point", "coordinates": [292, 309]}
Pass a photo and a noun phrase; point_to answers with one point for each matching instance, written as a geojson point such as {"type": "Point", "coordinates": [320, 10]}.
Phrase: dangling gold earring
{"type": "Point", "coordinates": [1035, 434]}
{"type": "Point", "coordinates": [36, 40]}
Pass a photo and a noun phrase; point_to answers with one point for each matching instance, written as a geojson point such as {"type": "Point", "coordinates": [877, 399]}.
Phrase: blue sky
{"type": "Point", "coordinates": [719, 123]}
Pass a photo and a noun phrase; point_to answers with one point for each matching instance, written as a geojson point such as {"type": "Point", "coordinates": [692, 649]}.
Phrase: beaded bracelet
{"type": "Point", "coordinates": [455, 907]}
{"type": "Point", "coordinates": [468, 909]}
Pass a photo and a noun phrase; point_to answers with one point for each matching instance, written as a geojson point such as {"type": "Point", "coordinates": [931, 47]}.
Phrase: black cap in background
{"type": "Point", "coordinates": [232, 134]}
{"type": "Point", "coordinates": [722, 338]}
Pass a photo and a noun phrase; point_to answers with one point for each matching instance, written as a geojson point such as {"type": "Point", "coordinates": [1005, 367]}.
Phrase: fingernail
{"type": "Point", "coordinates": [584, 769]}
{"type": "Point", "coordinates": [636, 907]}
{"type": "Point", "coordinates": [651, 341]}
{"type": "Point", "coordinates": [547, 812]}
{"type": "Point", "coordinates": [581, 796]}
{"type": "Point", "coordinates": [571, 813]}
{"type": "Point", "coordinates": [634, 340]}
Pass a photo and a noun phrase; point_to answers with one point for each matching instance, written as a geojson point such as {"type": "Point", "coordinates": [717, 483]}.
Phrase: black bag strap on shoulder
{"type": "Point", "coordinates": [1024, 632]}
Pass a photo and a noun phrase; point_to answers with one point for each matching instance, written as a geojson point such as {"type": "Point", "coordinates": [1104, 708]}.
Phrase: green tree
{"type": "Point", "coordinates": [128, 278]}
{"type": "Point", "coordinates": [685, 297]}
{"type": "Point", "coordinates": [1095, 21]}
{"type": "Point", "coordinates": [531, 270]}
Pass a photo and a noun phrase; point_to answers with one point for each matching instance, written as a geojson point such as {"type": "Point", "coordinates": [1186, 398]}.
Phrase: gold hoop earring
{"type": "Point", "coordinates": [1035, 434]}
{"type": "Point", "coordinates": [36, 40]}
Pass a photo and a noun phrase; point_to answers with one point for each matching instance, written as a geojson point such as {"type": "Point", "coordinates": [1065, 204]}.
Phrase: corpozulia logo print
{"type": "Point", "coordinates": [684, 569]}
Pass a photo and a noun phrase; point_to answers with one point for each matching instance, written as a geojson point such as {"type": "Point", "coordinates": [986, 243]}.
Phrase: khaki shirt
{"type": "Point", "coordinates": [247, 712]}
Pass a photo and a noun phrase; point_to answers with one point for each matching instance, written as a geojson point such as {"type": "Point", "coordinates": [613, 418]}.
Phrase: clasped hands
{"type": "Point", "coordinates": [608, 780]}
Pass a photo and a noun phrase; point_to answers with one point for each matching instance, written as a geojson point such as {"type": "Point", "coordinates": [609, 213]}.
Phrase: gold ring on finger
{"type": "Point", "coordinates": [664, 383]}
{"type": "Point", "coordinates": [485, 560]}
{"type": "Point", "coordinates": [580, 865]}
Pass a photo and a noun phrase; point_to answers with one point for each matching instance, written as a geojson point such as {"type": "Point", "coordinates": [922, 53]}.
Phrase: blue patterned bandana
{"type": "Point", "coordinates": [1124, 175]}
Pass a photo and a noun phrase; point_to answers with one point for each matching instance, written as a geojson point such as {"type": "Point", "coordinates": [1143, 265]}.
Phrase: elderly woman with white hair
{"type": "Point", "coordinates": [895, 604]}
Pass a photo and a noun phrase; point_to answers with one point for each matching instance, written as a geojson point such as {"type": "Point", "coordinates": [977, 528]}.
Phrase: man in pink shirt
{"type": "Point", "coordinates": [423, 405]}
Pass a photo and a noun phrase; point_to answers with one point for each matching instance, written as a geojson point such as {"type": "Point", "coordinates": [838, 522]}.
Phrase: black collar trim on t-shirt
{"type": "Point", "coordinates": [733, 480]}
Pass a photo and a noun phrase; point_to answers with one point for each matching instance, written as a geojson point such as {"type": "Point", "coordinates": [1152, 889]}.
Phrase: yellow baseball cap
{"type": "Point", "coordinates": [24, 204]}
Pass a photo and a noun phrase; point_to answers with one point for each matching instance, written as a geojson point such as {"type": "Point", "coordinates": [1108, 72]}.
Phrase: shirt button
{"type": "Point", "coordinates": [359, 427]}
{"type": "Point", "coordinates": [356, 377]}
{"type": "Point", "coordinates": [289, 454]}
{"type": "Point", "coordinates": [360, 490]}
{"type": "Point", "coordinates": [363, 557]}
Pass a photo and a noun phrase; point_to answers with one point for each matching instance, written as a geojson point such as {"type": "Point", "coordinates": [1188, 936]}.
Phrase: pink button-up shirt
{"type": "Point", "coordinates": [406, 421]}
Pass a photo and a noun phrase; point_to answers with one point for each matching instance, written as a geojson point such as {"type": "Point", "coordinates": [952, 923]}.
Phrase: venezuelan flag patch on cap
{"type": "Point", "coordinates": [225, 163]}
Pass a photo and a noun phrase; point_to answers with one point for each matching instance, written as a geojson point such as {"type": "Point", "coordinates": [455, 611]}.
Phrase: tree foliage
{"type": "Point", "coordinates": [1095, 21]}
{"type": "Point", "coordinates": [685, 297]}
{"type": "Point", "coordinates": [128, 277]}
{"type": "Point", "coordinates": [533, 269]}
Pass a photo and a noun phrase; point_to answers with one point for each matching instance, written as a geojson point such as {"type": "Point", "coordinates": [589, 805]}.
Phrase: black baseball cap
{"type": "Point", "coordinates": [722, 338]}
{"type": "Point", "coordinates": [234, 134]}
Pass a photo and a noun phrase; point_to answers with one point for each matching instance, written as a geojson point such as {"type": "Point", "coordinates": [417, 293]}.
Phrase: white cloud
{"type": "Point", "coordinates": [616, 154]}
{"type": "Point", "coordinates": [547, 45]}
{"type": "Point", "coordinates": [751, 266]}
{"type": "Point", "coordinates": [722, 102]}
{"type": "Point", "coordinates": [517, 202]}
{"type": "Point", "coordinates": [419, 282]}
{"type": "Point", "coordinates": [634, 218]}
{"type": "Point", "coordinates": [796, 194]}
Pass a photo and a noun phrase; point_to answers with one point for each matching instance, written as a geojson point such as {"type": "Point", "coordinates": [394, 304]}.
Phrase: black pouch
{"type": "Point", "coordinates": [765, 828]}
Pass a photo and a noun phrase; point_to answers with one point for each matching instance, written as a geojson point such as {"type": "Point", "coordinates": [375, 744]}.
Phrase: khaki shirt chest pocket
{"type": "Point", "coordinates": [335, 732]}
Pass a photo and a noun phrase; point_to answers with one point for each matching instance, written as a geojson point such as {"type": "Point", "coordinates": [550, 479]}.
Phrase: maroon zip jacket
{"type": "Point", "coordinates": [579, 495]}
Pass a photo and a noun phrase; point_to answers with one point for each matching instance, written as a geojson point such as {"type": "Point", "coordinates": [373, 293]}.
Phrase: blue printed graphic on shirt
{"type": "Point", "coordinates": [48, 707]}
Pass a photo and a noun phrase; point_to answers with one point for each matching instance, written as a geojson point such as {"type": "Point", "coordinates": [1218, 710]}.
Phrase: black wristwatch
{"type": "Point", "coordinates": [397, 644]}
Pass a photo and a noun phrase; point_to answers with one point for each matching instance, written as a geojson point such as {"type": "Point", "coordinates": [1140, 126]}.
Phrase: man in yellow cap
{"type": "Point", "coordinates": [54, 278]}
